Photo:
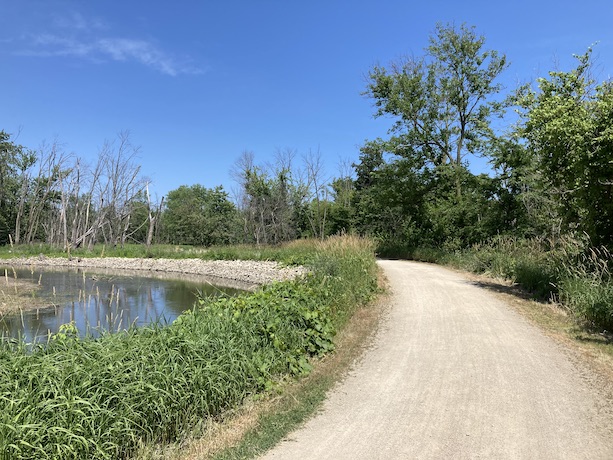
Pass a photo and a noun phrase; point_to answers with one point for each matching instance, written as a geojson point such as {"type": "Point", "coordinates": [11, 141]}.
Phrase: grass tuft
{"type": "Point", "coordinates": [568, 270]}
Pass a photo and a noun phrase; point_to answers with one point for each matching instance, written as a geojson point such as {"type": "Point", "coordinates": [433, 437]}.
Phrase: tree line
{"type": "Point", "coordinates": [49, 196]}
{"type": "Point", "coordinates": [549, 145]}
{"type": "Point", "coordinates": [552, 168]}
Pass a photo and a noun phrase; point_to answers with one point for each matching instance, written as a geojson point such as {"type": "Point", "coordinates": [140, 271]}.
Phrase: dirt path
{"type": "Point", "coordinates": [455, 374]}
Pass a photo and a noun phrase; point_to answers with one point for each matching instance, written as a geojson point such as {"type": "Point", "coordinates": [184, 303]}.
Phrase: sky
{"type": "Point", "coordinates": [196, 83]}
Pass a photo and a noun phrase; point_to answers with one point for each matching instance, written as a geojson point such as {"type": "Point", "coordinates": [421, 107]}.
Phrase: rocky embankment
{"type": "Point", "coordinates": [248, 272]}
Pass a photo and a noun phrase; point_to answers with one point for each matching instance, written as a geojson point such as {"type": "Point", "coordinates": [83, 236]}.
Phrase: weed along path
{"type": "Point", "coordinates": [455, 373]}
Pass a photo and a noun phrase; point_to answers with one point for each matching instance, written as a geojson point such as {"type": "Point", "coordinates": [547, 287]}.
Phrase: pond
{"type": "Point", "coordinates": [101, 300]}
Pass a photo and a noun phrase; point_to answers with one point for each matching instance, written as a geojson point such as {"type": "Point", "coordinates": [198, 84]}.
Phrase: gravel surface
{"type": "Point", "coordinates": [244, 271]}
{"type": "Point", "coordinates": [454, 373]}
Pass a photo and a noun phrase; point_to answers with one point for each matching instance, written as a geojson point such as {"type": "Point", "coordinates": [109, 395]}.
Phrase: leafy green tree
{"type": "Point", "coordinates": [442, 103]}
{"type": "Point", "coordinates": [340, 219]}
{"type": "Point", "coordinates": [138, 226]}
{"type": "Point", "coordinates": [14, 162]}
{"type": "Point", "coordinates": [268, 209]}
{"type": "Point", "coordinates": [199, 216]}
{"type": "Point", "coordinates": [525, 206]}
{"type": "Point", "coordinates": [568, 127]}
{"type": "Point", "coordinates": [272, 200]}
{"type": "Point", "coordinates": [389, 198]}
{"type": "Point", "coordinates": [415, 188]}
{"type": "Point", "coordinates": [454, 223]}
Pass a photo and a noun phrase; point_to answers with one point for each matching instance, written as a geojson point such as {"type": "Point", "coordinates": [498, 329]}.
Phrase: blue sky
{"type": "Point", "coordinates": [198, 82]}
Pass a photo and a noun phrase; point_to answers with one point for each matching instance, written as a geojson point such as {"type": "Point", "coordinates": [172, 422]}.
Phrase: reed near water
{"type": "Point", "coordinates": [18, 294]}
{"type": "Point", "coordinates": [76, 398]}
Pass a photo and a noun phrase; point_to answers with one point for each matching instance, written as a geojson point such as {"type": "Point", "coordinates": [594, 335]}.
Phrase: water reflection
{"type": "Point", "coordinates": [103, 300]}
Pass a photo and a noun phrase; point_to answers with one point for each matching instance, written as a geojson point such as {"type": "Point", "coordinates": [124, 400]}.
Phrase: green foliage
{"type": "Point", "coordinates": [199, 216]}
{"type": "Point", "coordinates": [567, 124]}
{"type": "Point", "coordinates": [442, 102]}
{"type": "Point", "coordinates": [402, 203]}
{"type": "Point", "coordinates": [589, 299]}
{"type": "Point", "coordinates": [415, 188]}
{"type": "Point", "coordinates": [99, 398]}
{"type": "Point", "coordinates": [535, 264]}
{"type": "Point", "coordinates": [139, 219]}
{"type": "Point", "coordinates": [14, 161]}
{"type": "Point", "coordinates": [390, 197]}
{"type": "Point", "coordinates": [460, 222]}
{"type": "Point", "coordinates": [341, 211]}
{"type": "Point", "coordinates": [554, 175]}
{"type": "Point", "coordinates": [525, 206]}
{"type": "Point", "coordinates": [586, 286]}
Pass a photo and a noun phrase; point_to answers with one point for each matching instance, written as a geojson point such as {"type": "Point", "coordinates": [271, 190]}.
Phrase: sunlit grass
{"type": "Point", "coordinates": [296, 253]}
{"type": "Point", "coordinates": [567, 270]}
{"type": "Point", "coordinates": [102, 398]}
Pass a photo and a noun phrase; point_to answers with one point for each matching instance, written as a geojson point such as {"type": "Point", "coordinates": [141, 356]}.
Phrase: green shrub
{"type": "Point", "coordinates": [535, 275]}
{"type": "Point", "coordinates": [589, 299]}
{"type": "Point", "coordinates": [99, 398]}
{"type": "Point", "coordinates": [568, 269]}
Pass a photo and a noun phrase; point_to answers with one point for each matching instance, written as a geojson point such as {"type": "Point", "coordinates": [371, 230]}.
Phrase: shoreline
{"type": "Point", "coordinates": [247, 271]}
{"type": "Point", "coordinates": [240, 274]}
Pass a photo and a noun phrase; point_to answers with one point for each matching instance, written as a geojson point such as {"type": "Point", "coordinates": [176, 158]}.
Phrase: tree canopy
{"type": "Point", "coordinates": [441, 102]}
{"type": "Point", "coordinates": [199, 216]}
{"type": "Point", "coordinates": [568, 126]}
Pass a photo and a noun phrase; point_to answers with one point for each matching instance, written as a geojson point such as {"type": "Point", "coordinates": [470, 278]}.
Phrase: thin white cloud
{"type": "Point", "coordinates": [77, 22]}
{"type": "Point", "coordinates": [120, 49]}
{"type": "Point", "coordinates": [52, 45]}
{"type": "Point", "coordinates": [114, 49]}
{"type": "Point", "coordinates": [76, 36]}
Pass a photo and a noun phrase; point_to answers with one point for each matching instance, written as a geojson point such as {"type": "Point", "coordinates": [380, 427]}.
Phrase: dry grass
{"type": "Point", "coordinates": [213, 436]}
{"type": "Point", "coordinates": [18, 295]}
{"type": "Point", "coordinates": [346, 243]}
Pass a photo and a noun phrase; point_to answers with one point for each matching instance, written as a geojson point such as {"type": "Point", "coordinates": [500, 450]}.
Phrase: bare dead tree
{"type": "Point", "coordinates": [154, 216]}
{"type": "Point", "coordinates": [318, 192]}
{"type": "Point", "coordinates": [43, 197]}
{"type": "Point", "coordinates": [117, 183]}
{"type": "Point", "coordinates": [25, 179]}
{"type": "Point", "coordinates": [104, 210]}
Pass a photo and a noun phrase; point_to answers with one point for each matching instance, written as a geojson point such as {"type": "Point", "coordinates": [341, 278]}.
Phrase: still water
{"type": "Point", "coordinates": [102, 300]}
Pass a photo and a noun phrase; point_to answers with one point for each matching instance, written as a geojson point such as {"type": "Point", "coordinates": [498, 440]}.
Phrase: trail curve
{"type": "Point", "coordinates": [454, 373]}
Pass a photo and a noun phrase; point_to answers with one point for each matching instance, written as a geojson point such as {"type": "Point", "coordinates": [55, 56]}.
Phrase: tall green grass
{"type": "Point", "coordinates": [100, 398]}
{"type": "Point", "coordinates": [568, 270]}
{"type": "Point", "coordinates": [586, 286]}
{"type": "Point", "coordinates": [290, 253]}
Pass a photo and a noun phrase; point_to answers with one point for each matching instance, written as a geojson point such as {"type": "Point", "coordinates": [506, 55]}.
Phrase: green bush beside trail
{"type": "Point", "coordinates": [568, 270]}
{"type": "Point", "coordinates": [99, 398]}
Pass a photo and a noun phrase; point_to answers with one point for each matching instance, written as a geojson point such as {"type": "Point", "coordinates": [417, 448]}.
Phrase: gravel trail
{"type": "Point", "coordinates": [454, 373]}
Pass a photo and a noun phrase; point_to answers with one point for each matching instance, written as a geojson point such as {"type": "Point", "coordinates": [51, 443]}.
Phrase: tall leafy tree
{"type": "Point", "coordinates": [341, 209]}
{"type": "Point", "coordinates": [389, 198]}
{"type": "Point", "coordinates": [525, 204]}
{"type": "Point", "coordinates": [568, 125]}
{"type": "Point", "coordinates": [442, 103]}
{"type": "Point", "coordinates": [415, 187]}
